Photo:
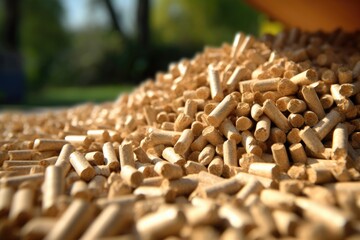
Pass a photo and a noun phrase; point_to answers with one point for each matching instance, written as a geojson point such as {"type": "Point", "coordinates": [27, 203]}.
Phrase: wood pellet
{"type": "Point", "coordinates": [257, 139]}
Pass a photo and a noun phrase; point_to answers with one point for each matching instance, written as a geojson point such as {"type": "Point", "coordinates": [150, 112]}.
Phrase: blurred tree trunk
{"type": "Point", "coordinates": [11, 25]}
{"type": "Point", "coordinates": [143, 23]}
{"type": "Point", "coordinates": [114, 19]}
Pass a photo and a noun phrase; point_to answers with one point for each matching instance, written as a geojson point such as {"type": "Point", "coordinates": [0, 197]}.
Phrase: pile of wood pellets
{"type": "Point", "coordinates": [258, 139]}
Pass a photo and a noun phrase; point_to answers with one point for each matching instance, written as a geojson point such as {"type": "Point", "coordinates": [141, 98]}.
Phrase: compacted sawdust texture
{"type": "Point", "coordinates": [258, 139]}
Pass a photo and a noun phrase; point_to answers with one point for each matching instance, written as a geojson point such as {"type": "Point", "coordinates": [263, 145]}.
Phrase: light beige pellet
{"type": "Point", "coordinates": [73, 221]}
{"type": "Point", "coordinates": [325, 125]}
{"type": "Point", "coordinates": [163, 223]}
{"type": "Point", "coordinates": [168, 170]}
{"type": "Point", "coordinates": [222, 110]}
{"type": "Point", "coordinates": [53, 187]}
{"type": "Point", "coordinates": [42, 144]}
{"type": "Point", "coordinates": [268, 170]}
{"type": "Point", "coordinates": [280, 156]}
{"type": "Point", "coordinates": [22, 207]}
{"type": "Point", "coordinates": [82, 166]}
{"type": "Point", "coordinates": [6, 197]}
{"type": "Point", "coordinates": [304, 78]}
{"type": "Point", "coordinates": [37, 228]}
{"type": "Point", "coordinates": [215, 85]}
{"type": "Point", "coordinates": [276, 116]}
{"type": "Point", "coordinates": [184, 142]}
{"type": "Point", "coordinates": [110, 157]}
{"type": "Point", "coordinates": [228, 129]}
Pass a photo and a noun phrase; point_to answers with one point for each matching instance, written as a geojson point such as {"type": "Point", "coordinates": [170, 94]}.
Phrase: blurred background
{"type": "Point", "coordinates": [61, 52]}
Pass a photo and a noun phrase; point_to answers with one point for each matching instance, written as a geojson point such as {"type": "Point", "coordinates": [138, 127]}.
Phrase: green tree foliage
{"type": "Point", "coordinates": [200, 22]}
{"type": "Point", "coordinates": [43, 39]}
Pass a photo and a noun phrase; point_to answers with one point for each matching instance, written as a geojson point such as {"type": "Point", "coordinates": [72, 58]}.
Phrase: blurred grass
{"type": "Point", "coordinates": [67, 96]}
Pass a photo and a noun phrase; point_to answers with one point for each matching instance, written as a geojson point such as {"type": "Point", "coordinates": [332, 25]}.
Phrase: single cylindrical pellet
{"type": "Point", "coordinates": [216, 166]}
{"type": "Point", "coordinates": [310, 118]}
{"type": "Point", "coordinates": [126, 154]}
{"type": "Point", "coordinates": [278, 200]}
{"type": "Point", "coordinates": [228, 129]}
{"type": "Point", "coordinates": [79, 140]}
{"type": "Point", "coordinates": [168, 170]}
{"type": "Point", "coordinates": [73, 221]}
{"type": "Point", "coordinates": [296, 120]}
{"type": "Point", "coordinates": [280, 156]}
{"type": "Point", "coordinates": [230, 156]}
{"type": "Point", "coordinates": [349, 89]}
{"type": "Point", "coordinates": [237, 75]}
{"type": "Point", "coordinates": [206, 155]}
{"type": "Point", "coordinates": [197, 128]}
{"type": "Point", "coordinates": [184, 142]}
{"type": "Point", "coordinates": [131, 176]}
{"type": "Point", "coordinates": [215, 84]}
{"type": "Point", "coordinates": [262, 129]}
{"type": "Point", "coordinates": [111, 221]}
{"type": "Point", "coordinates": [242, 109]}
{"type": "Point", "coordinates": [53, 187]}
{"type": "Point", "coordinates": [181, 186]}
{"type": "Point", "coordinates": [264, 85]}
{"type": "Point", "coordinates": [228, 186]}
{"type": "Point", "coordinates": [325, 125]}
{"type": "Point", "coordinates": [22, 207]}
{"type": "Point", "coordinates": [304, 78]}
{"type": "Point", "coordinates": [250, 144]}
{"type": "Point", "coordinates": [15, 181]}
{"type": "Point", "coordinates": [310, 138]}
{"type": "Point", "coordinates": [170, 155]}
{"type": "Point", "coordinates": [297, 153]}
{"type": "Point", "coordinates": [268, 170]}
{"type": "Point", "coordinates": [160, 224]}
{"type": "Point", "coordinates": [20, 154]}
{"type": "Point", "coordinates": [203, 92]}
{"type": "Point", "coordinates": [296, 106]}
{"type": "Point", "coordinates": [243, 123]}
{"type": "Point", "coordinates": [158, 136]}
{"type": "Point", "coordinates": [276, 116]}
{"type": "Point", "coordinates": [340, 142]}
{"type": "Point", "coordinates": [192, 167]}
{"type": "Point", "coordinates": [95, 158]}
{"type": "Point", "coordinates": [237, 218]}
{"type": "Point", "coordinates": [222, 110]}
{"type": "Point", "coordinates": [99, 134]}
{"type": "Point", "coordinates": [82, 166]}
{"type": "Point", "coordinates": [182, 121]}
{"type": "Point", "coordinates": [37, 228]}
{"type": "Point", "coordinates": [6, 198]}
{"type": "Point", "coordinates": [79, 189]}
{"type": "Point", "coordinates": [42, 144]}
{"type": "Point", "coordinates": [313, 101]}
{"type": "Point", "coordinates": [286, 87]}
{"type": "Point", "coordinates": [238, 40]}
{"type": "Point", "coordinates": [212, 135]}
{"type": "Point", "coordinates": [253, 186]}
{"type": "Point", "coordinates": [326, 101]}
{"type": "Point", "coordinates": [141, 155]}
{"type": "Point", "coordinates": [190, 108]}
{"type": "Point", "coordinates": [199, 143]}
{"type": "Point", "coordinates": [97, 185]}
{"type": "Point", "coordinates": [110, 157]}
{"type": "Point", "coordinates": [63, 160]}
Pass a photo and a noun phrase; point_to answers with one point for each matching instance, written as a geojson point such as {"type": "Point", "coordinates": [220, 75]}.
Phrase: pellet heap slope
{"type": "Point", "coordinates": [255, 140]}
